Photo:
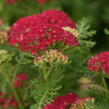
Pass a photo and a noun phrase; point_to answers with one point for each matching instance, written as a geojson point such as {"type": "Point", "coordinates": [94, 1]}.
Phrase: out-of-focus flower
{"type": "Point", "coordinates": [1, 22]}
{"type": "Point", "coordinates": [99, 62]}
{"type": "Point", "coordinates": [52, 57]}
{"type": "Point", "coordinates": [7, 101]}
{"type": "Point", "coordinates": [3, 37]}
{"type": "Point", "coordinates": [10, 102]}
{"type": "Point", "coordinates": [2, 99]}
{"type": "Point", "coordinates": [42, 1]}
{"type": "Point", "coordinates": [38, 32]}
{"type": "Point", "coordinates": [20, 80]}
{"type": "Point", "coordinates": [10, 1]}
{"type": "Point", "coordinates": [4, 56]}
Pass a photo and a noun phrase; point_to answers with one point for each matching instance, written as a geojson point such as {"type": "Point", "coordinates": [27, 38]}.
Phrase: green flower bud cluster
{"type": "Point", "coordinates": [51, 57]}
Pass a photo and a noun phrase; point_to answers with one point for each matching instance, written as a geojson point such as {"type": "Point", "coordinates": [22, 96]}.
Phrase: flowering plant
{"type": "Point", "coordinates": [53, 51]}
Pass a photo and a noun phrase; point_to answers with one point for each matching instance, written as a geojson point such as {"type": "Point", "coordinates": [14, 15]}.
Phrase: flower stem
{"type": "Point", "coordinates": [104, 82]}
{"type": "Point", "coordinates": [17, 67]}
{"type": "Point", "coordinates": [14, 91]}
{"type": "Point", "coordinates": [16, 96]}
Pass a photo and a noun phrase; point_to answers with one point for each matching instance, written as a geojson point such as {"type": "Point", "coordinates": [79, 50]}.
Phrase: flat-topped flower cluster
{"type": "Point", "coordinates": [38, 32]}
{"type": "Point", "coordinates": [100, 62]}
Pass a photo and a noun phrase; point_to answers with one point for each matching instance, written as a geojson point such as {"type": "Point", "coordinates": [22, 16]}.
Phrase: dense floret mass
{"type": "Point", "coordinates": [38, 32]}
{"type": "Point", "coordinates": [99, 62]}
{"type": "Point", "coordinates": [70, 101]}
{"type": "Point", "coordinates": [61, 102]}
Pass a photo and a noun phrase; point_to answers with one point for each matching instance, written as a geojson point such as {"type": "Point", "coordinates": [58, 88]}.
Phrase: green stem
{"type": "Point", "coordinates": [104, 82]}
{"type": "Point", "coordinates": [13, 80]}
{"type": "Point", "coordinates": [17, 67]}
{"type": "Point", "coordinates": [42, 99]}
{"type": "Point", "coordinates": [14, 92]}
{"type": "Point", "coordinates": [47, 73]}
{"type": "Point", "coordinates": [16, 96]}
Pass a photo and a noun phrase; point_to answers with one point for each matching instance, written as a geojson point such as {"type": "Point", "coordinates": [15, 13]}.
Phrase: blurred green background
{"type": "Point", "coordinates": [95, 11]}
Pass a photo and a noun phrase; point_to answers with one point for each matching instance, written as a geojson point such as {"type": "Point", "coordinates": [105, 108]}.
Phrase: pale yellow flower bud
{"type": "Point", "coordinates": [72, 31]}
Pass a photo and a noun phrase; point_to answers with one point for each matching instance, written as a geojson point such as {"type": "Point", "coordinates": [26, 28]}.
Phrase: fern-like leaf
{"type": "Point", "coordinates": [46, 93]}
{"type": "Point", "coordinates": [85, 33]}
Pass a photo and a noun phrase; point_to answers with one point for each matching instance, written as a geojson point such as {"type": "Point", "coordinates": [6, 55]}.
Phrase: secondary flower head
{"type": "Point", "coordinates": [51, 57]}
{"type": "Point", "coordinates": [100, 62]}
{"type": "Point", "coordinates": [61, 102]}
{"type": "Point", "coordinates": [38, 32]}
{"type": "Point", "coordinates": [70, 101]}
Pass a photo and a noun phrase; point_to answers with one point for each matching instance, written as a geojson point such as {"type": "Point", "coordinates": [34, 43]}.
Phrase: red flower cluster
{"type": "Point", "coordinates": [20, 80]}
{"type": "Point", "coordinates": [42, 1]}
{"type": "Point", "coordinates": [10, 1]}
{"type": "Point", "coordinates": [99, 62]}
{"type": "Point", "coordinates": [61, 102]}
{"type": "Point", "coordinates": [7, 101]}
{"type": "Point", "coordinates": [38, 32]}
{"type": "Point", "coordinates": [66, 102]}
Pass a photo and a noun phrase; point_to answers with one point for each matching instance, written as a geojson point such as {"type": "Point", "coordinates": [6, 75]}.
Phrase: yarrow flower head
{"type": "Point", "coordinates": [69, 101]}
{"type": "Point", "coordinates": [51, 56]}
{"type": "Point", "coordinates": [4, 56]}
{"type": "Point", "coordinates": [100, 62]}
{"type": "Point", "coordinates": [38, 32]}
